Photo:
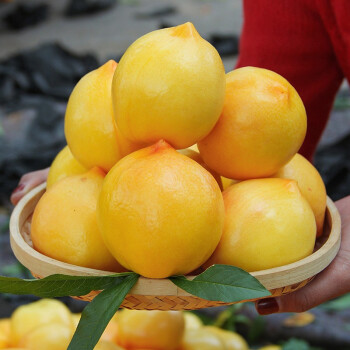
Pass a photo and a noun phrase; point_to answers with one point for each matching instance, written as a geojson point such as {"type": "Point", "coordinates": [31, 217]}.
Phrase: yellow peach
{"type": "Point", "coordinates": [169, 84]}
{"type": "Point", "coordinates": [53, 336]}
{"type": "Point", "coordinates": [161, 330]}
{"type": "Point", "coordinates": [64, 223]}
{"type": "Point", "coordinates": [5, 333]}
{"type": "Point", "coordinates": [160, 212]}
{"type": "Point", "coordinates": [188, 152]}
{"type": "Point", "coordinates": [107, 345]}
{"type": "Point", "coordinates": [232, 340]}
{"type": "Point", "coordinates": [192, 321]}
{"type": "Point", "coordinates": [64, 165]}
{"type": "Point", "coordinates": [90, 128]}
{"type": "Point", "coordinates": [26, 318]}
{"type": "Point", "coordinates": [261, 127]}
{"type": "Point", "coordinates": [201, 339]}
{"type": "Point", "coordinates": [268, 223]}
{"type": "Point", "coordinates": [310, 183]}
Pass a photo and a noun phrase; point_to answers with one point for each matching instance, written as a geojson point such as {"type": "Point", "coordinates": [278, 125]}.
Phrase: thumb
{"type": "Point", "coordinates": [327, 285]}
{"type": "Point", "coordinates": [28, 182]}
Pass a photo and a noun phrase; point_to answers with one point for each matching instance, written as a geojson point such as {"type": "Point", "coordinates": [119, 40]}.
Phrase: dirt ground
{"type": "Point", "coordinates": [109, 33]}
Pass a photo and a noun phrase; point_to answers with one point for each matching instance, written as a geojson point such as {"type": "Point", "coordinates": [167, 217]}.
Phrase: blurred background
{"type": "Point", "coordinates": [46, 46]}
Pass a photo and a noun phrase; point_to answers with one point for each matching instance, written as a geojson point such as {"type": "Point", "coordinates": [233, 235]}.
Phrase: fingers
{"type": "Point", "coordinates": [28, 182]}
{"type": "Point", "coordinates": [328, 285]}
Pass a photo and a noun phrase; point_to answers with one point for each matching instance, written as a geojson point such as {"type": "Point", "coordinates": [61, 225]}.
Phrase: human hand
{"type": "Point", "coordinates": [27, 182]}
{"type": "Point", "coordinates": [330, 283]}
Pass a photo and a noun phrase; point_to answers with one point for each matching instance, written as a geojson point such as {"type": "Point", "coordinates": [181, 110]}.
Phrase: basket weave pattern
{"type": "Point", "coordinates": [170, 302]}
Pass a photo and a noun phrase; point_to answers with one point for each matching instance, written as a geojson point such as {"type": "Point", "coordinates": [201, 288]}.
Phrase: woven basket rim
{"type": "Point", "coordinates": [277, 277]}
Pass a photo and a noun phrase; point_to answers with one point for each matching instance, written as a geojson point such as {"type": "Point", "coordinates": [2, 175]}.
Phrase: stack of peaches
{"type": "Point", "coordinates": [49, 325]}
{"type": "Point", "coordinates": [172, 166]}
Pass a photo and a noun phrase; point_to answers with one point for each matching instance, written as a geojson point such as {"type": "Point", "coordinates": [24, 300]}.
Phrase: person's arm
{"type": "Point", "coordinates": [330, 283]}
{"type": "Point", "coordinates": [27, 182]}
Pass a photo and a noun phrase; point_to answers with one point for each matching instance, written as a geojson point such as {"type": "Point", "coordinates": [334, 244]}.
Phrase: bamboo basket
{"type": "Point", "coordinates": [162, 294]}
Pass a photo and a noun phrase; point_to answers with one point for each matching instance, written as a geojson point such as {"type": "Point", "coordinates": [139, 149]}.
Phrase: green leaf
{"type": "Point", "coordinates": [338, 304]}
{"type": "Point", "coordinates": [223, 283]}
{"type": "Point", "coordinates": [242, 319]}
{"type": "Point", "coordinates": [229, 318]}
{"type": "Point", "coordinates": [99, 312]}
{"type": "Point", "coordinates": [14, 270]}
{"type": "Point", "coordinates": [293, 344]}
{"type": "Point", "coordinates": [225, 316]}
{"type": "Point", "coordinates": [4, 228]}
{"type": "Point", "coordinates": [60, 285]}
{"type": "Point", "coordinates": [256, 329]}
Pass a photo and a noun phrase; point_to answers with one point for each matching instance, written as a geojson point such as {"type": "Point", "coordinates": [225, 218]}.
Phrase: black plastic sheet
{"type": "Point", "coordinates": [225, 44]}
{"type": "Point", "coordinates": [333, 162]}
{"type": "Point", "coordinates": [32, 135]}
{"type": "Point", "coordinates": [26, 15]}
{"type": "Point", "coordinates": [77, 8]}
{"type": "Point", "coordinates": [34, 89]}
{"type": "Point", "coordinates": [49, 70]}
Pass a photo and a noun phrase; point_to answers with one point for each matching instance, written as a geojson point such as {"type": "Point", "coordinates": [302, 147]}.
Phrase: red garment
{"type": "Point", "coordinates": [308, 43]}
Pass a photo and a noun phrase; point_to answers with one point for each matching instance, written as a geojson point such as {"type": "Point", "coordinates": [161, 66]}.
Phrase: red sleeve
{"type": "Point", "coordinates": [290, 38]}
